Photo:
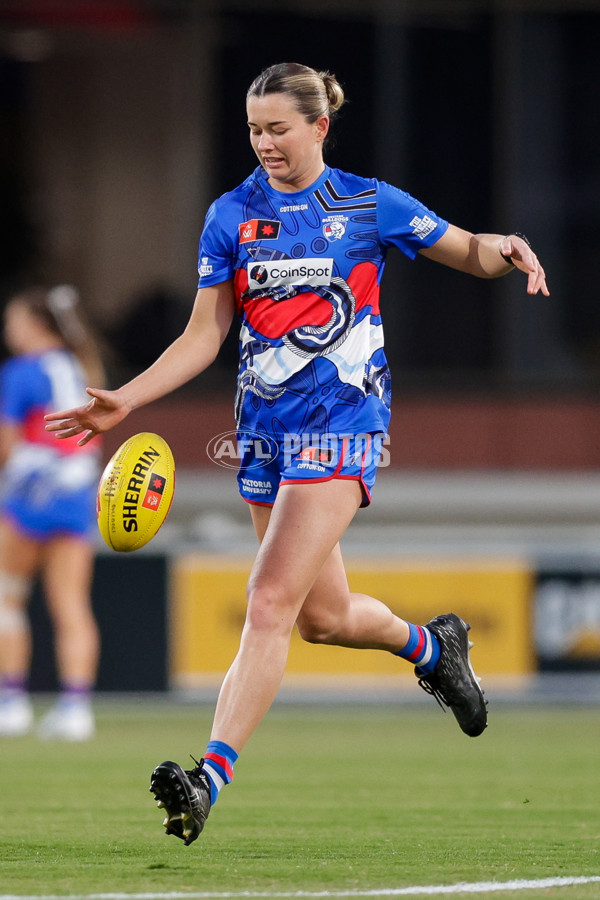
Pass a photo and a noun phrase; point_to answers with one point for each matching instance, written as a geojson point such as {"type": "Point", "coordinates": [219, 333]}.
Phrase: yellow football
{"type": "Point", "coordinates": [135, 492]}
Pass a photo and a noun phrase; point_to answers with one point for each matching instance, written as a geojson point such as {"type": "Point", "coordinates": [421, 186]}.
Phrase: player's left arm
{"type": "Point", "coordinates": [488, 255]}
{"type": "Point", "coordinates": [189, 355]}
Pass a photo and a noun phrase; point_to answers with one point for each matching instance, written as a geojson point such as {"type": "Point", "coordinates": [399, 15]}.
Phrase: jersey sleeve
{"type": "Point", "coordinates": [405, 222]}
{"type": "Point", "coordinates": [23, 386]}
{"type": "Point", "coordinates": [215, 253]}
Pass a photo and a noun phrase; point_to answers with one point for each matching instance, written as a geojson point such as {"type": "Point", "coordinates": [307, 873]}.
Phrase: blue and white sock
{"type": "Point", "coordinates": [422, 649]}
{"type": "Point", "coordinates": [13, 685]}
{"type": "Point", "coordinates": [218, 766]}
{"type": "Point", "coordinates": [74, 694]}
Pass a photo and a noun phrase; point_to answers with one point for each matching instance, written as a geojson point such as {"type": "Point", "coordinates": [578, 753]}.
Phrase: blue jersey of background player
{"type": "Point", "coordinates": [48, 488]}
{"type": "Point", "coordinates": [306, 268]}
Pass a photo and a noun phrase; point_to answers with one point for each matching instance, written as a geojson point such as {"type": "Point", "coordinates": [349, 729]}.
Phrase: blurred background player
{"type": "Point", "coordinates": [47, 511]}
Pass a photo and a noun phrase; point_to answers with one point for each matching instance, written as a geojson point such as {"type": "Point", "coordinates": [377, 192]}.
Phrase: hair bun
{"type": "Point", "coordinates": [334, 91]}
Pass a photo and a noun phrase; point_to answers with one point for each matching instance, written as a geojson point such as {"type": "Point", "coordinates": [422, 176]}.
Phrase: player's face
{"type": "Point", "coordinates": [289, 148]}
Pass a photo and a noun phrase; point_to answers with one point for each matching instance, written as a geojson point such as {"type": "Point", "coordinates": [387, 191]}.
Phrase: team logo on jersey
{"type": "Point", "coordinates": [274, 273]}
{"type": "Point", "coordinates": [259, 230]}
{"type": "Point", "coordinates": [334, 227]}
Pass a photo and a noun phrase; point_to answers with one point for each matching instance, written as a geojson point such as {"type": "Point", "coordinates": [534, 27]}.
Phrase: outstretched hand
{"type": "Point", "coordinates": [105, 410]}
{"type": "Point", "coordinates": [524, 258]}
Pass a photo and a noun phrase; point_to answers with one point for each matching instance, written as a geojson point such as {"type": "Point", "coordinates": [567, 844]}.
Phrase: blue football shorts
{"type": "Point", "coordinates": [44, 516]}
{"type": "Point", "coordinates": [265, 464]}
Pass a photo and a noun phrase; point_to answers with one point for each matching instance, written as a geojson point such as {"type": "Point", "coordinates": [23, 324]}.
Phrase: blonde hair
{"type": "Point", "coordinates": [58, 309]}
{"type": "Point", "coordinates": [314, 93]}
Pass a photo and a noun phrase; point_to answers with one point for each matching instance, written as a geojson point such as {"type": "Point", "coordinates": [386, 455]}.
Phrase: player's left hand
{"type": "Point", "coordinates": [525, 259]}
{"type": "Point", "coordinates": [105, 410]}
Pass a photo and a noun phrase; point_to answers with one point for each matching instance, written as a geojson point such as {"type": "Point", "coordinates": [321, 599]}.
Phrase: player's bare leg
{"type": "Point", "coordinates": [332, 614]}
{"type": "Point", "coordinates": [19, 557]}
{"type": "Point", "coordinates": [298, 577]}
{"type": "Point", "coordinates": [77, 640]}
{"type": "Point", "coordinates": [306, 523]}
{"type": "Point", "coordinates": [76, 637]}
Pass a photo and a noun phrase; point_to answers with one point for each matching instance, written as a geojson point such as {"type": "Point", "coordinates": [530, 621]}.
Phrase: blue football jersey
{"type": "Point", "coordinates": [48, 486]}
{"type": "Point", "coordinates": [306, 269]}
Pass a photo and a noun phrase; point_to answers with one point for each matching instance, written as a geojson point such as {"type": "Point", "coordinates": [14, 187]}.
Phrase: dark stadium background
{"type": "Point", "coordinates": [488, 112]}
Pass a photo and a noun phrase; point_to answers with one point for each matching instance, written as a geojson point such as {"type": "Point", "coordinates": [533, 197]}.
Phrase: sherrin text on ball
{"type": "Point", "coordinates": [135, 492]}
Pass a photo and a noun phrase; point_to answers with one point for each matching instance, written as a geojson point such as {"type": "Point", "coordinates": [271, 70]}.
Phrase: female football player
{"type": "Point", "coordinates": [47, 511]}
{"type": "Point", "coordinates": [297, 252]}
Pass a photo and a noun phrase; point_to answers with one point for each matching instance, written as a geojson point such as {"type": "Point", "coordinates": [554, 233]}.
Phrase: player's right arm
{"type": "Point", "coordinates": [191, 353]}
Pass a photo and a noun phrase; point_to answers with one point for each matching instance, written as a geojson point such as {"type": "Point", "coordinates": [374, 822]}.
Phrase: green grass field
{"type": "Point", "coordinates": [325, 799]}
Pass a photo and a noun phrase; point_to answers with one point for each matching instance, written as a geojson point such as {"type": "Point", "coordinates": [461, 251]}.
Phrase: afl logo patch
{"type": "Point", "coordinates": [259, 230]}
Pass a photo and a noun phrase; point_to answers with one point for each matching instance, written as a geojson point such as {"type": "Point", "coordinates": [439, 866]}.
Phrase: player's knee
{"type": "Point", "coordinates": [317, 629]}
{"type": "Point", "coordinates": [269, 609]}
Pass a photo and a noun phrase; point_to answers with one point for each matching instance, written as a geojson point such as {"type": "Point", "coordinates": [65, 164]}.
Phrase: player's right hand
{"type": "Point", "coordinates": [105, 410]}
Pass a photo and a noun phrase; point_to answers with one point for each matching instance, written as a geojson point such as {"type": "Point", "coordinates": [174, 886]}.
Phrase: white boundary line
{"type": "Point", "coordinates": [432, 890]}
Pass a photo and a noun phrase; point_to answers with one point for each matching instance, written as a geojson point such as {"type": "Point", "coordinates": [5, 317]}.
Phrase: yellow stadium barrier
{"type": "Point", "coordinates": [207, 611]}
